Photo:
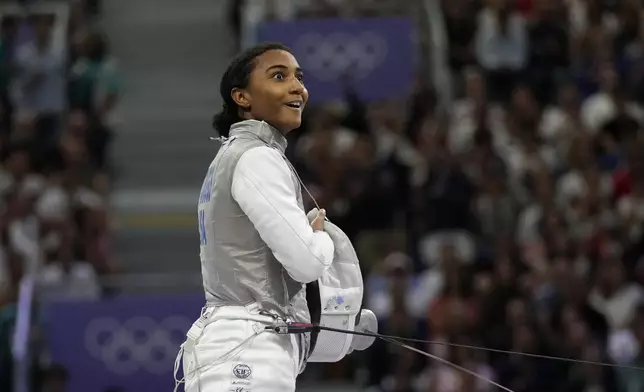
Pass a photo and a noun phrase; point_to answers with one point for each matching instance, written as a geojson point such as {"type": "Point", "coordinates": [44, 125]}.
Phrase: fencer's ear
{"type": "Point", "coordinates": [241, 98]}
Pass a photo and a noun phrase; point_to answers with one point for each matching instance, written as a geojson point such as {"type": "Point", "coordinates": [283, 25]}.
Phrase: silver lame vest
{"type": "Point", "coordinates": [238, 268]}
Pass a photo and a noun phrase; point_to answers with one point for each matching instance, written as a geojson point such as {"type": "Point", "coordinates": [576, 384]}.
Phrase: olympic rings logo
{"type": "Point", "coordinates": [139, 343]}
{"type": "Point", "coordinates": [328, 57]}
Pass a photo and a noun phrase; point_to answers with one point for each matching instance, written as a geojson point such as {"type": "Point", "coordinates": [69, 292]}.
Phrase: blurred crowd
{"type": "Point", "coordinates": [510, 217]}
{"type": "Point", "coordinates": [59, 87]}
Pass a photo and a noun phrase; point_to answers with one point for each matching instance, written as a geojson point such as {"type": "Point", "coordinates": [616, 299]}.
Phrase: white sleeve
{"type": "Point", "coordinates": [263, 187]}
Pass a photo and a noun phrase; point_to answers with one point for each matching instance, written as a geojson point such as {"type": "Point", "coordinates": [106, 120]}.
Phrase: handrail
{"type": "Point", "coordinates": [21, 334]}
{"type": "Point", "coordinates": [439, 71]}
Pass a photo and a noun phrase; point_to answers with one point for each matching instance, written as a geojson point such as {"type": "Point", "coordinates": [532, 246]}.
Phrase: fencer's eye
{"type": "Point", "coordinates": [279, 75]}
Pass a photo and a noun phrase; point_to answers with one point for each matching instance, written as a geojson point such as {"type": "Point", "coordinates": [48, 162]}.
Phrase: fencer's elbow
{"type": "Point", "coordinates": [311, 269]}
{"type": "Point", "coordinates": [310, 272]}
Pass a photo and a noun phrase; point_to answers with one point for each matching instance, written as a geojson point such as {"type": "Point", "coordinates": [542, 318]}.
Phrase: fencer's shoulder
{"type": "Point", "coordinates": [260, 155]}
{"type": "Point", "coordinates": [262, 159]}
{"type": "Point", "coordinates": [261, 151]}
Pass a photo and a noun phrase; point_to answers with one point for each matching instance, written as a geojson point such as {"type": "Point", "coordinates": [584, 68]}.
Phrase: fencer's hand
{"type": "Point", "coordinates": [318, 222]}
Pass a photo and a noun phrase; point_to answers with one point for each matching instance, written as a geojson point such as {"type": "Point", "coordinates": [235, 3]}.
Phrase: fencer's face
{"type": "Point", "coordinates": [276, 92]}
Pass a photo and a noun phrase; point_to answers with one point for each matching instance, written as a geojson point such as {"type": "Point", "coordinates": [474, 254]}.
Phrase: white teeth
{"type": "Point", "coordinates": [294, 104]}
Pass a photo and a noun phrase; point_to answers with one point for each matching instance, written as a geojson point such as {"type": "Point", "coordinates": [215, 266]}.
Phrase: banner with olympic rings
{"type": "Point", "coordinates": [376, 55]}
{"type": "Point", "coordinates": [127, 342]}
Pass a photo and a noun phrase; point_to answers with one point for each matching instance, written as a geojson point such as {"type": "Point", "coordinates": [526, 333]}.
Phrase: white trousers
{"type": "Point", "coordinates": [228, 349]}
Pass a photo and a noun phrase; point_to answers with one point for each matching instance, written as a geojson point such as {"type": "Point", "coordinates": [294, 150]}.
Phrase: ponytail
{"type": "Point", "coordinates": [223, 120]}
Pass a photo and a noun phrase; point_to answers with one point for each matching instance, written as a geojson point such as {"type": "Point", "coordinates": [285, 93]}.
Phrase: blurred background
{"type": "Point", "coordinates": [486, 157]}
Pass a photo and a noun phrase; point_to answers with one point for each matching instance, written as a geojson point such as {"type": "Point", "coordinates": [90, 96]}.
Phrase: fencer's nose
{"type": "Point", "coordinates": [297, 88]}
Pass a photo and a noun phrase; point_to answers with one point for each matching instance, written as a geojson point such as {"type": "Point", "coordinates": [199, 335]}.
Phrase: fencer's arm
{"type": "Point", "coordinates": [263, 188]}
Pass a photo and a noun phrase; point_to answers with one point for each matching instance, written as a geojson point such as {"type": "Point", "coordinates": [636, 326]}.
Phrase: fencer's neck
{"type": "Point", "coordinates": [261, 129]}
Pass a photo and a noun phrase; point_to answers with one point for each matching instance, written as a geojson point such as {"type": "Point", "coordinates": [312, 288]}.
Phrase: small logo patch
{"type": "Point", "coordinates": [242, 371]}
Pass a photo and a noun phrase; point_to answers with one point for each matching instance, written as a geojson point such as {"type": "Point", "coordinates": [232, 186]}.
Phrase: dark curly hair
{"type": "Point", "coordinates": [237, 75]}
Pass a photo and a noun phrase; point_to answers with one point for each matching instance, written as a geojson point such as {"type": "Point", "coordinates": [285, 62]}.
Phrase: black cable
{"type": "Point", "coordinates": [302, 328]}
{"type": "Point", "coordinates": [446, 362]}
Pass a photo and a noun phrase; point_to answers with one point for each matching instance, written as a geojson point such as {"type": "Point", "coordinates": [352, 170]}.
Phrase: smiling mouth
{"type": "Point", "coordinates": [295, 105]}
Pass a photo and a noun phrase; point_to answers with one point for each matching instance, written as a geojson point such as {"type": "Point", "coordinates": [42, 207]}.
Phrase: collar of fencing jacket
{"type": "Point", "coordinates": [261, 130]}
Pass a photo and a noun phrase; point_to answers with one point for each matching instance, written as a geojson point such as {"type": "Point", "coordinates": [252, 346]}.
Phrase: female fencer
{"type": "Point", "coordinates": [258, 248]}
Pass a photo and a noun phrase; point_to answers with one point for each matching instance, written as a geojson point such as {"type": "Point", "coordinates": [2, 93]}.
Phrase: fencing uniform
{"type": "Point", "coordinates": [257, 251]}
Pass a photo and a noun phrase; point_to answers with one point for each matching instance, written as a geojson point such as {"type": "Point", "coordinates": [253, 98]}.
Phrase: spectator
{"type": "Point", "coordinates": [40, 81]}
{"type": "Point", "coordinates": [602, 106]}
{"type": "Point", "coordinates": [613, 296]}
{"type": "Point", "coordinates": [8, 29]}
{"type": "Point", "coordinates": [626, 348]}
{"type": "Point", "coordinates": [501, 46]}
{"type": "Point", "coordinates": [391, 297]}
{"type": "Point", "coordinates": [460, 25]}
{"type": "Point", "coordinates": [94, 90]}
{"type": "Point", "coordinates": [549, 47]}
{"type": "Point", "coordinates": [8, 315]}
{"type": "Point", "coordinates": [495, 208]}
{"type": "Point", "coordinates": [629, 208]}
{"type": "Point", "coordinates": [561, 118]}
{"type": "Point", "coordinates": [473, 112]}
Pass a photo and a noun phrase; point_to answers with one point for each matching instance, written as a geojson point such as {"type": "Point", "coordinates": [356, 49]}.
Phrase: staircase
{"type": "Point", "coordinates": [172, 54]}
